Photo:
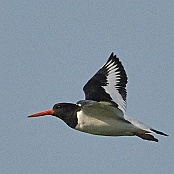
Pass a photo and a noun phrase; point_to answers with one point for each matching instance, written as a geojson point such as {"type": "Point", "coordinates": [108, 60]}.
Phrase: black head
{"type": "Point", "coordinates": [65, 111]}
{"type": "Point", "coordinates": [62, 110]}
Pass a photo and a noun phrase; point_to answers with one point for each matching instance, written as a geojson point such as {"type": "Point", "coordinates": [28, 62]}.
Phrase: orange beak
{"type": "Point", "coordinates": [38, 114]}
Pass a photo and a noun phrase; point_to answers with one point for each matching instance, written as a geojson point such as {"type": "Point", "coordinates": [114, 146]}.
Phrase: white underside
{"type": "Point", "coordinates": [102, 119]}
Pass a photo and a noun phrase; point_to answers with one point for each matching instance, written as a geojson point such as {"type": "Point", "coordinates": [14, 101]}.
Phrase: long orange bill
{"type": "Point", "coordinates": [38, 114]}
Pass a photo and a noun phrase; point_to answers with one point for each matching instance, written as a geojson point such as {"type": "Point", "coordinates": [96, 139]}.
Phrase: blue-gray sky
{"type": "Point", "coordinates": [49, 49]}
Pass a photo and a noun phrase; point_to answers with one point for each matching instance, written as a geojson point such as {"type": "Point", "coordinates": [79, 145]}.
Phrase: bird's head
{"type": "Point", "coordinates": [60, 110]}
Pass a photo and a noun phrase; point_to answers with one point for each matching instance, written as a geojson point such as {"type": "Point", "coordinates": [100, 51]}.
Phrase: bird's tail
{"type": "Point", "coordinates": [146, 130]}
{"type": "Point", "coordinates": [146, 136]}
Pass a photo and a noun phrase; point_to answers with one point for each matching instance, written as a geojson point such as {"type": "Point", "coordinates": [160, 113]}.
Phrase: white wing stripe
{"type": "Point", "coordinates": [113, 78]}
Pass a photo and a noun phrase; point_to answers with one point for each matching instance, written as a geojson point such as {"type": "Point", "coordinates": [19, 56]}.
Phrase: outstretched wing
{"type": "Point", "coordinates": [108, 84]}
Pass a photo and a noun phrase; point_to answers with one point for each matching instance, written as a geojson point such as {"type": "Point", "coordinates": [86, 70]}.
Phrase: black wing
{"type": "Point", "coordinates": [108, 84]}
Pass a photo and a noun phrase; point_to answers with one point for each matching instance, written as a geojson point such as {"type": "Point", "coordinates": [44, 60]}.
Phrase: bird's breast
{"type": "Point", "coordinates": [99, 123]}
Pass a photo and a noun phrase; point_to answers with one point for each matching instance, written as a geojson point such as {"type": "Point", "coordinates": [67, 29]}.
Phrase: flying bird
{"type": "Point", "coordinates": [103, 112]}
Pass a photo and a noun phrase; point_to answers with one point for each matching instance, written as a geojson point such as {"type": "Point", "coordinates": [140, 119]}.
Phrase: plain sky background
{"type": "Point", "coordinates": [48, 51]}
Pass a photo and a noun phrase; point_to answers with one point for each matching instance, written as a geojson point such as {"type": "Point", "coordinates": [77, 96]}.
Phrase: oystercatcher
{"type": "Point", "coordinates": [103, 110]}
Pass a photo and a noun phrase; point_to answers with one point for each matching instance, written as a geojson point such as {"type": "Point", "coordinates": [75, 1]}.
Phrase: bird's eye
{"type": "Point", "coordinates": [57, 107]}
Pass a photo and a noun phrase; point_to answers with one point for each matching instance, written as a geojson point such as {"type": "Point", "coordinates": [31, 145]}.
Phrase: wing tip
{"type": "Point", "coordinates": [159, 132]}
{"type": "Point", "coordinates": [112, 55]}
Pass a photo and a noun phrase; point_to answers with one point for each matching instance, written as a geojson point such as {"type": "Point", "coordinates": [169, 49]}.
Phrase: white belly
{"type": "Point", "coordinates": [103, 122]}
